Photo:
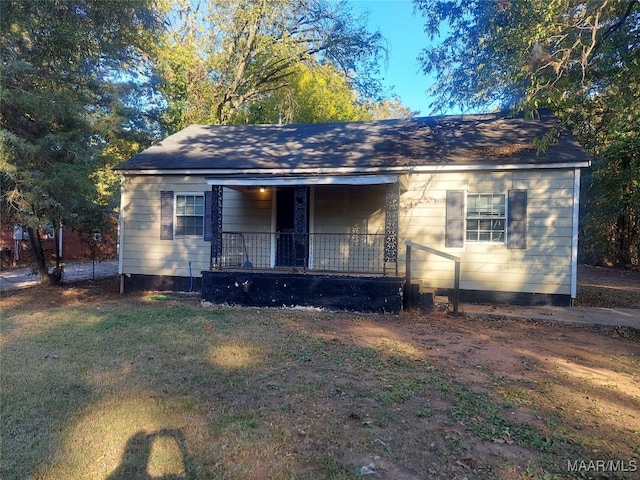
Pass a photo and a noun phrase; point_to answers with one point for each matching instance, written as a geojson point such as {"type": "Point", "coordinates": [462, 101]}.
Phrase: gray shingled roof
{"type": "Point", "coordinates": [489, 139]}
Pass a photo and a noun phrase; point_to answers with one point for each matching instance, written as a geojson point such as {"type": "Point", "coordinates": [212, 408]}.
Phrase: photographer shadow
{"type": "Point", "coordinates": [137, 457]}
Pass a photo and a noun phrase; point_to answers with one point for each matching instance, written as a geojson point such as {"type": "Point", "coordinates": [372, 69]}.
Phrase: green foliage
{"type": "Point", "coordinates": [611, 230]}
{"type": "Point", "coordinates": [579, 58]}
{"type": "Point", "coordinates": [61, 106]}
{"type": "Point", "coordinates": [317, 94]}
{"type": "Point", "coordinates": [78, 91]}
{"type": "Point", "coordinates": [220, 58]}
{"type": "Point", "coordinates": [312, 95]}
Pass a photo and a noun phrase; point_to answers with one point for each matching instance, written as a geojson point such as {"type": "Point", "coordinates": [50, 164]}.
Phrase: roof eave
{"type": "Point", "coordinates": [341, 171]}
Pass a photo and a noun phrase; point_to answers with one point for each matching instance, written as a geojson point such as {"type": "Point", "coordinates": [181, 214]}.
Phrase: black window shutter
{"type": "Point", "coordinates": [454, 236]}
{"type": "Point", "coordinates": [517, 219]}
{"type": "Point", "coordinates": [166, 215]}
{"type": "Point", "coordinates": [208, 218]}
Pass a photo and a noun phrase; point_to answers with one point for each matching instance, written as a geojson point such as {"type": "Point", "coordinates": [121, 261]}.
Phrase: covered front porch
{"type": "Point", "coordinates": [331, 242]}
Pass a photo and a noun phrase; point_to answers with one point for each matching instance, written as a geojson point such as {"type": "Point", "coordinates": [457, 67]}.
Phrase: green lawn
{"type": "Point", "coordinates": [158, 386]}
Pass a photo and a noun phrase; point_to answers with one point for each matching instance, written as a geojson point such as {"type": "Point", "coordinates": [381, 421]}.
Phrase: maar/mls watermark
{"type": "Point", "coordinates": [602, 466]}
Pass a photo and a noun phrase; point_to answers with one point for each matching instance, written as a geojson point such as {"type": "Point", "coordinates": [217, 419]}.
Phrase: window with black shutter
{"type": "Point", "coordinates": [486, 218]}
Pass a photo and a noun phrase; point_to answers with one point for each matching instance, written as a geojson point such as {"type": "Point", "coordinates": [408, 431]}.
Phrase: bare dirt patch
{"type": "Point", "coordinates": [608, 287]}
{"type": "Point", "coordinates": [585, 379]}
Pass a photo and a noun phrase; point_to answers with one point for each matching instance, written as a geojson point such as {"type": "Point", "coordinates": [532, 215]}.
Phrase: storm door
{"type": "Point", "coordinates": [292, 227]}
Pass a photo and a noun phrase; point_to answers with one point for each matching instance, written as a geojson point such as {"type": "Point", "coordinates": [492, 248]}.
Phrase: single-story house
{"type": "Point", "coordinates": [315, 210]}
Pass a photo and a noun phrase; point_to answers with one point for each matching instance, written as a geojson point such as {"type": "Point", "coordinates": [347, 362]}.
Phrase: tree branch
{"type": "Point", "coordinates": [613, 28]}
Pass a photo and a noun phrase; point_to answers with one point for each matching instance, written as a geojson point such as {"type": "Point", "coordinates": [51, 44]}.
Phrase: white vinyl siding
{"type": "Point", "coordinates": [357, 214]}
{"type": "Point", "coordinates": [246, 209]}
{"type": "Point", "coordinates": [247, 215]}
{"type": "Point", "coordinates": [349, 209]}
{"type": "Point", "coordinates": [544, 266]}
{"type": "Point", "coordinates": [338, 209]}
{"type": "Point", "coordinates": [142, 250]}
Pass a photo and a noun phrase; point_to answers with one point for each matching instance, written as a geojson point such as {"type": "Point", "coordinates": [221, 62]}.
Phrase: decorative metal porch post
{"type": "Point", "coordinates": [216, 226]}
{"type": "Point", "coordinates": [391, 216]}
{"type": "Point", "coordinates": [300, 226]}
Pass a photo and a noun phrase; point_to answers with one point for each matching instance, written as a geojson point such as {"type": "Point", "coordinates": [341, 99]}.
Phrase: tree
{"type": "Point", "coordinates": [315, 95]}
{"type": "Point", "coordinates": [59, 105]}
{"type": "Point", "coordinates": [312, 95]}
{"type": "Point", "coordinates": [220, 55]}
{"type": "Point", "coordinates": [581, 58]}
{"type": "Point", "coordinates": [389, 108]}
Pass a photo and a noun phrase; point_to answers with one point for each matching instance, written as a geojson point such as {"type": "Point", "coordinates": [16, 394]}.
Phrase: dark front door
{"type": "Point", "coordinates": [292, 227]}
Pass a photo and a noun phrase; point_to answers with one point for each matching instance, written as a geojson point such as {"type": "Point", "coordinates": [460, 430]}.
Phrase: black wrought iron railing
{"type": "Point", "coordinates": [330, 252]}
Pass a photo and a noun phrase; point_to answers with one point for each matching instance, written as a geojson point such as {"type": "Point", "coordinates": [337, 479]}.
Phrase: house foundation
{"type": "Point", "coordinates": [335, 292]}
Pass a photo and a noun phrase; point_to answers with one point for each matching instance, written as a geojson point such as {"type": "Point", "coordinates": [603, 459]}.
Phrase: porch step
{"type": "Point", "coordinates": [419, 298]}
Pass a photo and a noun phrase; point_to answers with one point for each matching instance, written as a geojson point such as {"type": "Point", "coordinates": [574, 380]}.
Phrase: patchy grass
{"type": "Point", "coordinates": [99, 386]}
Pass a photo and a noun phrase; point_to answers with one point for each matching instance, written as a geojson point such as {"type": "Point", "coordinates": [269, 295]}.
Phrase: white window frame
{"type": "Point", "coordinates": [176, 215]}
{"type": "Point", "coordinates": [489, 215]}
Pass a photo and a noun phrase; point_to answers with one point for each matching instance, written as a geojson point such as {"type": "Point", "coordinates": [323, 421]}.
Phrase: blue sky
{"type": "Point", "coordinates": [405, 34]}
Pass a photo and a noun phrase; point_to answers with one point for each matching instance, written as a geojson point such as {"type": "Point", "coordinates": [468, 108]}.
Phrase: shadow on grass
{"type": "Point", "coordinates": [136, 458]}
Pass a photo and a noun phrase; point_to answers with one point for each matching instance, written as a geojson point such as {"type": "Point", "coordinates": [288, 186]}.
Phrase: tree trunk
{"type": "Point", "coordinates": [56, 239]}
{"type": "Point", "coordinates": [40, 257]}
{"type": "Point", "coordinates": [624, 240]}
{"type": "Point", "coordinates": [37, 250]}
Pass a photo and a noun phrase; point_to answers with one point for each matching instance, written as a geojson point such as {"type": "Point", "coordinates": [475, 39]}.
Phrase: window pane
{"type": "Point", "coordinates": [189, 205]}
{"type": "Point", "coordinates": [190, 209]}
{"type": "Point", "coordinates": [193, 225]}
{"type": "Point", "coordinates": [472, 205]}
{"type": "Point", "coordinates": [180, 204]}
{"type": "Point", "coordinates": [198, 226]}
{"type": "Point", "coordinates": [483, 204]}
{"type": "Point", "coordinates": [198, 206]}
{"type": "Point", "coordinates": [180, 225]}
